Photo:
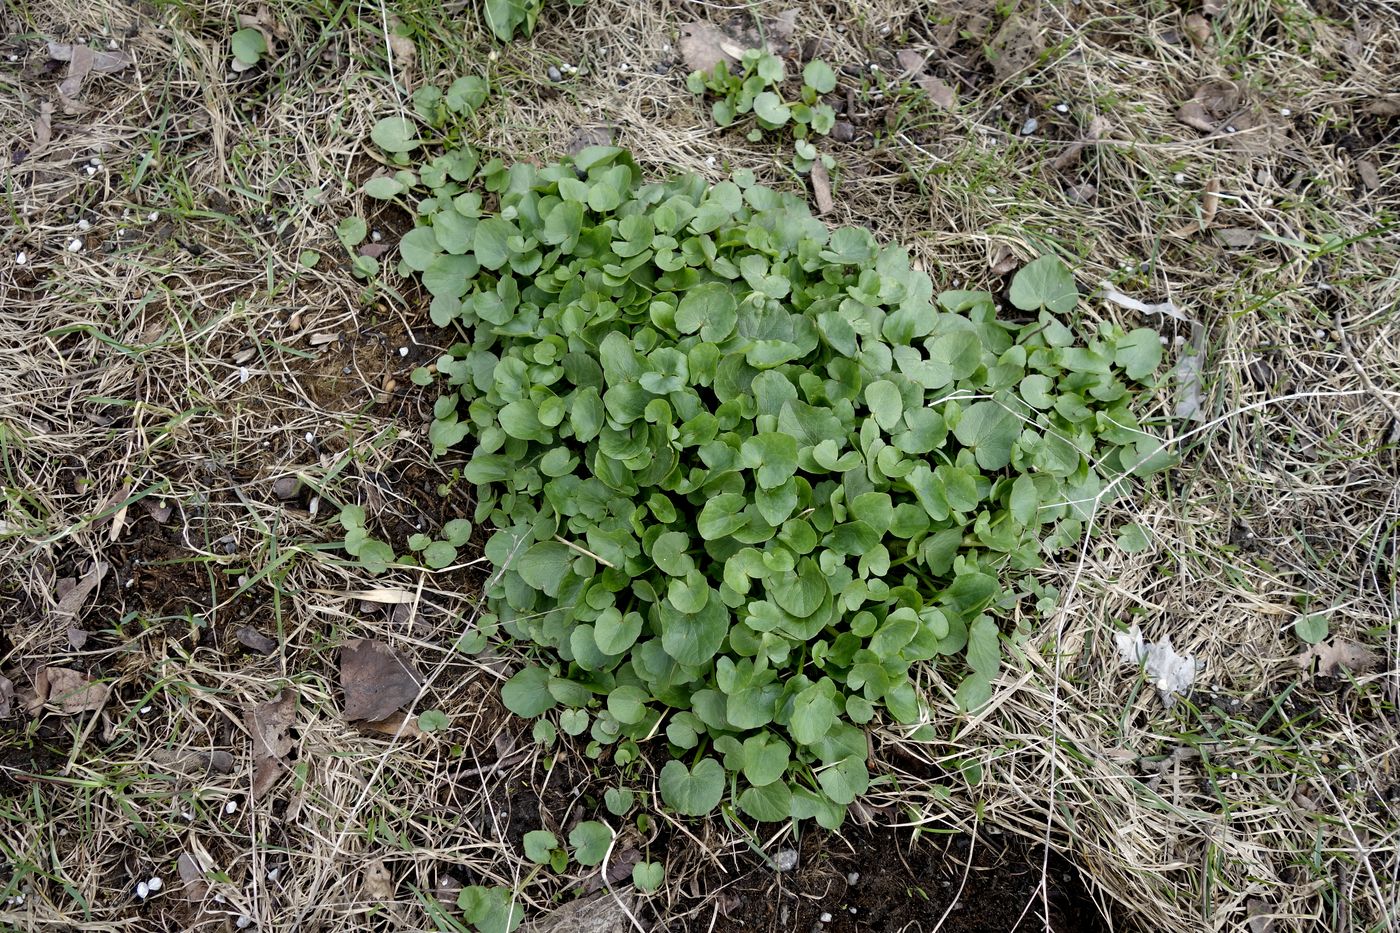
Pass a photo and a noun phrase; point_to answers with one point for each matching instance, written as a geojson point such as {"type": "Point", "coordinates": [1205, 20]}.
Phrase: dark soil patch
{"type": "Point", "coordinates": [884, 880]}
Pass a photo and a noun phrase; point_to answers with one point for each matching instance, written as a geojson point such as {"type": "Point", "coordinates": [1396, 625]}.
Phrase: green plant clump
{"type": "Point", "coordinates": [505, 18]}
{"type": "Point", "coordinates": [757, 88]}
{"type": "Point", "coordinates": [745, 472]}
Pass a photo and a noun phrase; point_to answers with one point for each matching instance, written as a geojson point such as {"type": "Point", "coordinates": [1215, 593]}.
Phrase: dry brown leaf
{"type": "Point", "coordinates": [43, 127]}
{"type": "Point", "coordinates": [77, 637]}
{"type": "Point", "coordinates": [70, 604]}
{"type": "Point", "coordinates": [1210, 204]}
{"type": "Point", "coordinates": [399, 725]}
{"type": "Point", "coordinates": [821, 188]}
{"type": "Point", "coordinates": [1237, 237]}
{"type": "Point", "coordinates": [783, 26]}
{"type": "Point", "coordinates": [912, 62]}
{"type": "Point", "coordinates": [102, 61]}
{"type": "Point", "coordinates": [401, 49]}
{"type": "Point", "coordinates": [1016, 46]}
{"type": "Point", "coordinates": [72, 693]}
{"type": "Point", "coordinates": [599, 134]}
{"type": "Point", "coordinates": [1197, 30]}
{"type": "Point", "coordinates": [1369, 174]}
{"type": "Point", "coordinates": [193, 762]}
{"type": "Point", "coordinates": [1261, 915]}
{"type": "Point", "coordinates": [268, 723]}
{"type": "Point", "coordinates": [377, 680]}
{"type": "Point", "coordinates": [1384, 107]}
{"type": "Point", "coordinates": [7, 696]}
{"type": "Point", "coordinates": [703, 46]}
{"type": "Point", "coordinates": [159, 510]}
{"type": "Point", "coordinates": [1193, 114]}
{"type": "Point", "coordinates": [1004, 261]}
{"type": "Point", "coordinates": [1338, 655]}
{"type": "Point", "coordinates": [192, 876]}
{"type": "Point", "coordinates": [378, 883]}
{"type": "Point", "coordinates": [254, 640]}
{"type": "Point", "coordinates": [937, 89]}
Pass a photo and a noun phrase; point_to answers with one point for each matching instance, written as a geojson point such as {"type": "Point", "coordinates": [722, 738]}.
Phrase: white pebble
{"type": "Point", "coordinates": [84, 224]}
{"type": "Point", "coordinates": [1062, 108]}
{"type": "Point", "coordinates": [375, 236]}
{"type": "Point", "coordinates": [710, 161]}
{"type": "Point", "coordinates": [152, 215]}
{"type": "Point", "coordinates": [75, 245]}
{"type": "Point", "coordinates": [273, 873]}
{"type": "Point", "coordinates": [1229, 129]}
{"type": "Point", "coordinates": [625, 66]}
{"type": "Point", "coordinates": [1162, 339]}
{"type": "Point", "coordinates": [825, 917]}
{"type": "Point", "coordinates": [403, 351]}
{"type": "Point", "coordinates": [310, 438]}
{"type": "Point", "coordinates": [244, 921]}
{"type": "Point", "coordinates": [1178, 340]}
{"type": "Point", "coordinates": [1285, 112]}
{"type": "Point", "coordinates": [1030, 126]}
{"type": "Point", "coordinates": [145, 709]}
{"type": "Point", "coordinates": [1179, 178]}
{"type": "Point", "coordinates": [91, 170]}
{"type": "Point", "coordinates": [21, 258]}
{"type": "Point", "coordinates": [112, 44]}
{"type": "Point", "coordinates": [218, 898]}
{"type": "Point", "coordinates": [1320, 334]}
{"type": "Point", "coordinates": [853, 877]}
{"type": "Point", "coordinates": [242, 374]}
{"type": "Point", "coordinates": [94, 161]}
{"type": "Point", "coordinates": [155, 884]}
{"type": "Point", "coordinates": [142, 890]}
{"type": "Point", "coordinates": [231, 806]}
{"type": "Point", "coordinates": [991, 191]}
{"type": "Point", "coordinates": [665, 46]}
{"type": "Point", "coordinates": [874, 67]}
{"type": "Point", "coordinates": [13, 58]}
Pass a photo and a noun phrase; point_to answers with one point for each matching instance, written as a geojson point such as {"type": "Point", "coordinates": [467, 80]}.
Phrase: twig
{"type": "Point", "coordinates": [583, 550]}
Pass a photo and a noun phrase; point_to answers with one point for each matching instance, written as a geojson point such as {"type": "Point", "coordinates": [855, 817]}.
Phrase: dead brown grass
{"type": "Point", "coordinates": [187, 359]}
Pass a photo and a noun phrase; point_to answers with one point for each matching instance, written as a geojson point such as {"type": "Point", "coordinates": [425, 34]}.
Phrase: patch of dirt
{"type": "Point", "coordinates": [882, 880]}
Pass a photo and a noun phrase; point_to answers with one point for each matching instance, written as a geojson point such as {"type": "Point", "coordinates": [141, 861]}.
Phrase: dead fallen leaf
{"type": "Point", "coordinates": [1384, 107]}
{"type": "Point", "coordinates": [7, 696]}
{"type": "Point", "coordinates": [599, 134]}
{"type": "Point", "coordinates": [937, 89]}
{"type": "Point", "coordinates": [1210, 204]}
{"type": "Point", "coordinates": [376, 679]}
{"type": "Point", "coordinates": [77, 637]}
{"type": "Point", "coordinates": [1004, 261]}
{"type": "Point", "coordinates": [821, 188]}
{"type": "Point", "coordinates": [379, 883]}
{"type": "Point", "coordinates": [72, 693]}
{"type": "Point", "coordinates": [268, 723]}
{"type": "Point", "coordinates": [401, 48]}
{"type": "Point", "coordinates": [160, 510]}
{"type": "Point", "coordinates": [191, 874]}
{"type": "Point", "coordinates": [108, 61]}
{"type": "Point", "coordinates": [1261, 915]}
{"type": "Point", "coordinates": [703, 46]}
{"type": "Point", "coordinates": [1197, 30]}
{"type": "Point", "coordinates": [1016, 46]}
{"type": "Point", "coordinates": [1237, 237]}
{"type": "Point", "coordinates": [1082, 194]}
{"type": "Point", "coordinates": [43, 127]}
{"type": "Point", "coordinates": [254, 640]}
{"type": "Point", "coordinates": [373, 250]}
{"type": "Point", "coordinates": [783, 26]}
{"type": "Point", "coordinates": [1369, 174]}
{"type": "Point", "coordinates": [1193, 114]}
{"type": "Point", "coordinates": [1212, 7]}
{"type": "Point", "coordinates": [70, 604]}
{"type": "Point", "coordinates": [1336, 656]}
{"type": "Point", "coordinates": [194, 762]}
{"type": "Point", "coordinates": [399, 725]}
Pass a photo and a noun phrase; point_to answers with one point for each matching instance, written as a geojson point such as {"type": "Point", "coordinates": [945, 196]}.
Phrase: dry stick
{"type": "Point", "coordinates": [583, 550]}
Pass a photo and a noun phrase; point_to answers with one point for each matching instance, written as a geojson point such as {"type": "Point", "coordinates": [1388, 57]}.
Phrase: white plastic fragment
{"type": "Point", "coordinates": [21, 258]}
{"type": "Point", "coordinates": [1171, 673]}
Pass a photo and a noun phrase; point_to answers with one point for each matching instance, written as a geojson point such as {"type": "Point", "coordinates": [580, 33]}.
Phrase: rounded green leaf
{"type": "Point", "coordinates": [818, 76]}
{"type": "Point", "coordinates": [1044, 283]}
{"type": "Point", "coordinates": [692, 791]}
{"type": "Point", "coordinates": [527, 693]}
{"type": "Point", "coordinates": [540, 845]}
{"type": "Point", "coordinates": [590, 841]}
{"type": "Point", "coordinates": [648, 876]}
{"type": "Point", "coordinates": [248, 46]}
{"type": "Point", "coordinates": [395, 134]}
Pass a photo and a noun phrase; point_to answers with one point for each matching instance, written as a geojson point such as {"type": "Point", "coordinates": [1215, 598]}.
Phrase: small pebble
{"type": "Point", "coordinates": [1285, 112]}
{"type": "Point", "coordinates": [874, 67]}
{"type": "Point", "coordinates": [244, 921]}
{"type": "Point", "coordinates": [91, 170]}
{"type": "Point", "coordinates": [310, 438]}
{"type": "Point", "coordinates": [273, 874]}
{"type": "Point", "coordinates": [21, 258]}
{"type": "Point", "coordinates": [152, 216]}
{"type": "Point", "coordinates": [155, 884]}
{"type": "Point", "coordinates": [142, 890]}
{"type": "Point", "coordinates": [112, 44]}
{"type": "Point", "coordinates": [1062, 108]}
{"type": "Point", "coordinates": [218, 898]}
{"type": "Point", "coordinates": [13, 58]}
{"type": "Point", "coordinates": [1229, 129]}
{"type": "Point", "coordinates": [74, 245]}
{"type": "Point", "coordinates": [1320, 334]}
{"type": "Point", "coordinates": [710, 161]}
{"type": "Point", "coordinates": [231, 806]}
{"type": "Point", "coordinates": [853, 877]}
{"type": "Point", "coordinates": [242, 374]}
{"type": "Point", "coordinates": [1162, 339]}
{"type": "Point", "coordinates": [555, 74]}
{"type": "Point", "coordinates": [1030, 126]}
{"type": "Point", "coordinates": [375, 236]}
{"type": "Point", "coordinates": [1178, 340]}
{"type": "Point", "coordinates": [991, 190]}
{"type": "Point", "coordinates": [785, 860]}
{"type": "Point", "coordinates": [94, 161]}
{"type": "Point", "coordinates": [825, 917]}
{"type": "Point", "coordinates": [145, 709]}
{"type": "Point", "coordinates": [625, 66]}
{"type": "Point", "coordinates": [1179, 178]}
{"type": "Point", "coordinates": [403, 351]}
{"type": "Point", "coordinates": [84, 224]}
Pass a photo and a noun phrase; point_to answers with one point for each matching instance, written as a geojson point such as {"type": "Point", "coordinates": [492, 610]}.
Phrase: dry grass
{"type": "Point", "coordinates": [189, 362]}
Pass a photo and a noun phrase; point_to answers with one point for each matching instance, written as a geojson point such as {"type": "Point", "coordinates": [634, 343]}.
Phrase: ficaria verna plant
{"type": "Point", "coordinates": [747, 477]}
